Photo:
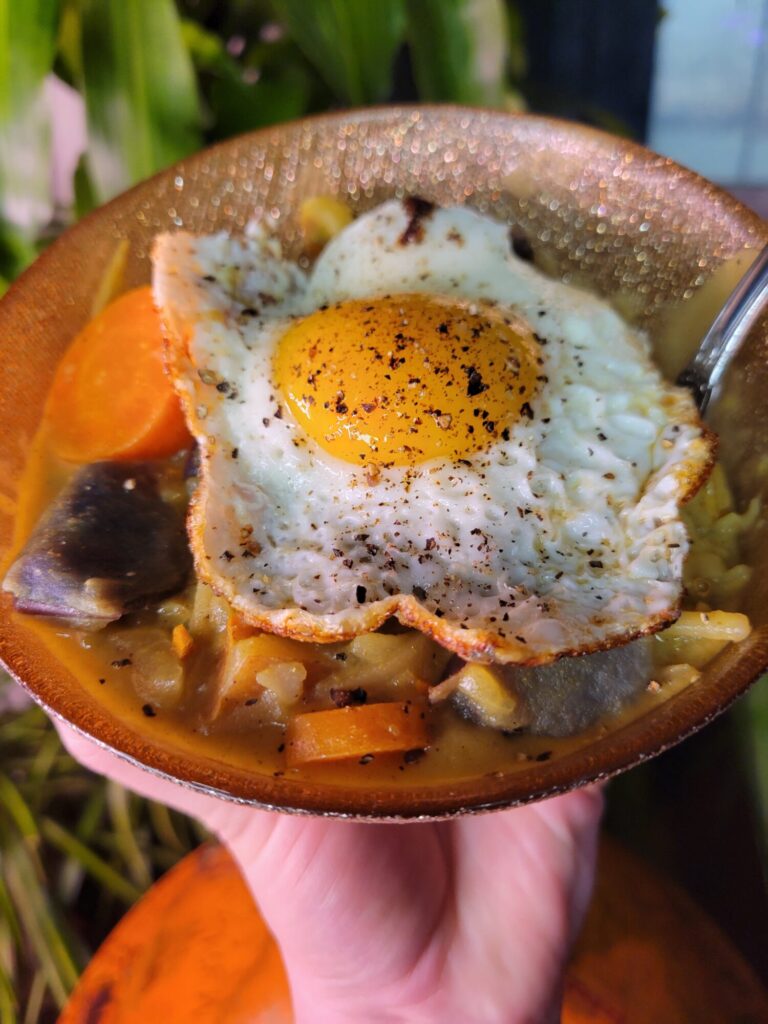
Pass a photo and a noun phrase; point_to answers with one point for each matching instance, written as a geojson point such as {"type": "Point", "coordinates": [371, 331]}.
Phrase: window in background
{"type": "Point", "coordinates": [709, 103]}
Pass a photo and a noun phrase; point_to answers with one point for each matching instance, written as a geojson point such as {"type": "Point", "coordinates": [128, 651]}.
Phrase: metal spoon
{"type": "Point", "coordinates": [705, 371]}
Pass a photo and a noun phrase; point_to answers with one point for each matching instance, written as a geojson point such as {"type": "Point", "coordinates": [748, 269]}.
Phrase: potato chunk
{"type": "Point", "coordinates": [487, 700]}
{"type": "Point", "coordinates": [268, 667]}
{"type": "Point", "coordinates": [386, 666]}
{"type": "Point", "coordinates": [156, 672]}
{"type": "Point", "coordinates": [322, 217]}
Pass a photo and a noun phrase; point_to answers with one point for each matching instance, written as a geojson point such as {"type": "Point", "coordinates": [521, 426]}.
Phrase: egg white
{"type": "Point", "coordinates": [565, 538]}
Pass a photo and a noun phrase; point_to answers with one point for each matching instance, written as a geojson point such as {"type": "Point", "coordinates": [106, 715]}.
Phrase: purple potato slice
{"type": "Point", "coordinates": [108, 542]}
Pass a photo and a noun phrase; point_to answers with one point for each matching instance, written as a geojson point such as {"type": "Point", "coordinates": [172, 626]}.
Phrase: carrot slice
{"type": "Point", "coordinates": [111, 398]}
{"type": "Point", "coordinates": [181, 641]}
{"type": "Point", "coordinates": [355, 731]}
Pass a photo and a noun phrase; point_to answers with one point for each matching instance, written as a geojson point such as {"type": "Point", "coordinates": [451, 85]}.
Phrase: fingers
{"type": "Point", "coordinates": [575, 818]}
{"type": "Point", "coordinates": [346, 900]}
{"type": "Point", "coordinates": [343, 899]}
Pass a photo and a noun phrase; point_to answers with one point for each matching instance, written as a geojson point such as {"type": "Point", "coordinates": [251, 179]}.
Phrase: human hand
{"type": "Point", "coordinates": [460, 922]}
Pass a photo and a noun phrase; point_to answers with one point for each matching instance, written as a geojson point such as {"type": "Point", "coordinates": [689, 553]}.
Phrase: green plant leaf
{"type": "Point", "coordinates": [351, 43]}
{"type": "Point", "coordinates": [752, 719]}
{"type": "Point", "coordinates": [459, 50]}
{"type": "Point", "coordinates": [517, 56]}
{"type": "Point", "coordinates": [8, 998]}
{"type": "Point", "coordinates": [69, 62]}
{"type": "Point", "coordinates": [238, 107]}
{"type": "Point", "coordinates": [28, 40]}
{"type": "Point", "coordinates": [85, 194]}
{"type": "Point", "coordinates": [236, 103]}
{"type": "Point", "coordinates": [140, 91]}
{"type": "Point", "coordinates": [16, 252]}
{"type": "Point", "coordinates": [27, 47]}
{"type": "Point", "coordinates": [206, 50]}
{"type": "Point", "coordinates": [13, 804]}
{"type": "Point", "coordinates": [44, 932]}
{"type": "Point", "coordinates": [110, 879]}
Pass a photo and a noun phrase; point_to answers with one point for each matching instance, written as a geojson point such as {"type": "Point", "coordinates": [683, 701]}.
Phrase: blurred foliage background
{"type": "Point", "coordinates": [145, 82]}
{"type": "Point", "coordinates": [160, 79]}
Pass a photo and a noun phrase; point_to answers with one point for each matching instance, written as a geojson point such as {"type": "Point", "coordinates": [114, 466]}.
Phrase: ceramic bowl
{"type": "Point", "coordinates": [661, 243]}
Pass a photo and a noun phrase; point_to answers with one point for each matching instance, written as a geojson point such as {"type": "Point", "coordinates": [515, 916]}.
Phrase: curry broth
{"type": "Point", "coordinates": [458, 749]}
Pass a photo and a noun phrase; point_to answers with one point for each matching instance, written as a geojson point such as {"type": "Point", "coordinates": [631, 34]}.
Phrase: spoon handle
{"type": "Point", "coordinates": [705, 370]}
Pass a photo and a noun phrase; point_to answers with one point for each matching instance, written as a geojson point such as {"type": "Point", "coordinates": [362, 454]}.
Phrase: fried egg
{"type": "Point", "coordinates": [425, 426]}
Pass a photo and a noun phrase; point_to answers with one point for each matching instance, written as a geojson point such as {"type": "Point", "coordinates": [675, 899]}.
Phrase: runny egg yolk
{"type": "Point", "coordinates": [405, 378]}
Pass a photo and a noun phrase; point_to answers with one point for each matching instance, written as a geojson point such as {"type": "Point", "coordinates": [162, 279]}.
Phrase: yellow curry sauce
{"type": "Point", "coordinates": [185, 714]}
{"type": "Point", "coordinates": [104, 661]}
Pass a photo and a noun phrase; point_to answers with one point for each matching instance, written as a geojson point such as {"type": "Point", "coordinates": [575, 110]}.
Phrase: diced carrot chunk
{"type": "Point", "coordinates": [354, 731]}
{"type": "Point", "coordinates": [181, 640]}
{"type": "Point", "coordinates": [111, 397]}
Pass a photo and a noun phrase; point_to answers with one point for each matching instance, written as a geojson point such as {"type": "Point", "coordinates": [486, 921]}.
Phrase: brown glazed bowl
{"type": "Point", "coordinates": [661, 243]}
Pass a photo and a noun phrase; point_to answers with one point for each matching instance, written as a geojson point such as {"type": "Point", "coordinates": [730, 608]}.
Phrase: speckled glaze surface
{"type": "Point", "coordinates": [599, 211]}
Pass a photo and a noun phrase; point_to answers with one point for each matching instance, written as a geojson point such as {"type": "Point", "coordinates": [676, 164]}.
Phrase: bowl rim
{"type": "Point", "coordinates": [620, 749]}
